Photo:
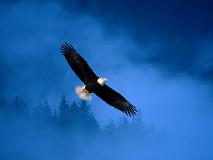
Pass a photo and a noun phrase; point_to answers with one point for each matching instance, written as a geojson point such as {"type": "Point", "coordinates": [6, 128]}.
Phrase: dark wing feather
{"type": "Point", "coordinates": [78, 64]}
{"type": "Point", "coordinates": [115, 99]}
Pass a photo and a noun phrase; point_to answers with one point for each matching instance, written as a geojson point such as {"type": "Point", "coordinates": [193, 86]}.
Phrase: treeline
{"type": "Point", "coordinates": [71, 131]}
{"type": "Point", "coordinates": [74, 116]}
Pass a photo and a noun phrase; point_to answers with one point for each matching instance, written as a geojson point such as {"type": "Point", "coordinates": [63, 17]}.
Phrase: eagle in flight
{"type": "Point", "coordinates": [93, 83]}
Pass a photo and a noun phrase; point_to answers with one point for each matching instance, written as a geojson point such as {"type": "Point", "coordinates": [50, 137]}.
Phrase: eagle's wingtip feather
{"type": "Point", "coordinates": [67, 48]}
{"type": "Point", "coordinates": [130, 111]}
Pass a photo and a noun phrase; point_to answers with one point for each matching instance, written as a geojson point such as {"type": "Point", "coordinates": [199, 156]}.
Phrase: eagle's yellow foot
{"type": "Point", "coordinates": [83, 93]}
{"type": "Point", "coordinates": [85, 90]}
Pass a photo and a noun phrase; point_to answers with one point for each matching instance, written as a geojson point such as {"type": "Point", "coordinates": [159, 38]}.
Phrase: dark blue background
{"type": "Point", "coordinates": [158, 54]}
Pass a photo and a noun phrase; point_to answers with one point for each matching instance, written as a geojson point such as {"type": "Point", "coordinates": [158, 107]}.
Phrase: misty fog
{"type": "Point", "coordinates": [165, 73]}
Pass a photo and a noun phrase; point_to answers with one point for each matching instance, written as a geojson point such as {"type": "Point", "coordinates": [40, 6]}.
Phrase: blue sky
{"type": "Point", "coordinates": [158, 54]}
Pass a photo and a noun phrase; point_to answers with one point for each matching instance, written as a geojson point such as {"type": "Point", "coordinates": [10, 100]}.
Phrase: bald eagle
{"type": "Point", "coordinates": [93, 83]}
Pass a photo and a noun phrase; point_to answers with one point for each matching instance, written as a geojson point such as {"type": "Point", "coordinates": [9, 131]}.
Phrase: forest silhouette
{"type": "Point", "coordinates": [69, 131]}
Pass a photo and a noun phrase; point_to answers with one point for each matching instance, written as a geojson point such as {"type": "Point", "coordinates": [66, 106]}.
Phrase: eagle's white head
{"type": "Point", "coordinates": [102, 81]}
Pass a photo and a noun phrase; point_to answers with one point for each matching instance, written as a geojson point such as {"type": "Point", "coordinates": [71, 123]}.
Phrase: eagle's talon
{"type": "Point", "coordinates": [85, 90]}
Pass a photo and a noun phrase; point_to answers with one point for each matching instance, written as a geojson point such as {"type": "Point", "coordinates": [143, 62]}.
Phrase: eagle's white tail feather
{"type": "Point", "coordinates": [80, 91]}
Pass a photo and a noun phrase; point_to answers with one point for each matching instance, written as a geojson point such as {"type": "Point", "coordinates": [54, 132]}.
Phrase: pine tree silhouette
{"type": "Point", "coordinates": [137, 119]}
{"type": "Point", "coordinates": [111, 128]}
{"type": "Point", "coordinates": [86, 118]}
{"type": "Point", "coordinates": [64, 112]}
{"type": "Point", "coordinates": [3, 104]}
{"type": "Point", "coordinates": [19, 107]}
{"type": "Point", "coordinates": [43, 112]}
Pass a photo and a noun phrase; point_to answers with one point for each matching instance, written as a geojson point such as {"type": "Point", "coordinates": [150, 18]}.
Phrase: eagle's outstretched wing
{"type": "Point", "coordinates": [78, 64]}
{"type": "Point", "coordinates": [115, 99]}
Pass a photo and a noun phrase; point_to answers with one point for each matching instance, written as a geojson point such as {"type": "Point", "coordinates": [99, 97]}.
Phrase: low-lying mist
{"type": "Point", "coordinates": [72, 132]}
{"type": "Point", "coordinates": [167, 78]}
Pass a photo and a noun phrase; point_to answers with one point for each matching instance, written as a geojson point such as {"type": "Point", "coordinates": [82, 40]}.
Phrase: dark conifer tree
{"type": "Point", "coordinates": [86, 118]}
{"type": "Point", "coordinates": [137, 119]}
{"type": "Point", "coordinates": [3, 104]}
{"type": "Point", "coordinates": [20, 107]}
{"type": "Point", "coordinates": [64, 112]}
{"type": "Point", "coordinates": [110, 128]}
{"type": "Point", "coordinates": [75, 114]}
{"type": "Point", "coordinates": [43, 112]}
{"type": "Point", "coordinates": [123, 122]}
